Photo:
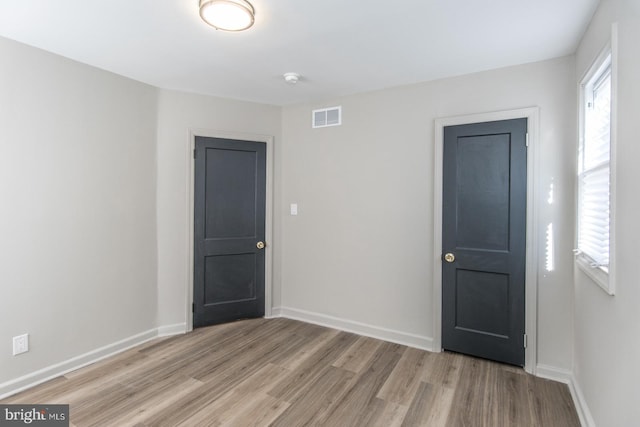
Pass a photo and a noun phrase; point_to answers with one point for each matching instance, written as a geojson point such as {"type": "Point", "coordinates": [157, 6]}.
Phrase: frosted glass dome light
{"type": "Point", "coordinates": [227, 15]}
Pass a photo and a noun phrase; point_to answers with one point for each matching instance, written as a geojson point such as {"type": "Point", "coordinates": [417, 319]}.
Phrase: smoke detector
{"type": "Point", "coordinates": [291, 78]}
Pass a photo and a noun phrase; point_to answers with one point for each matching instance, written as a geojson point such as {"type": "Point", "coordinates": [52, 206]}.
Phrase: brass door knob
{"type": "Point", "coordinates": [449, 257]}
{"type": "Point", "coordinates": [260, 245]}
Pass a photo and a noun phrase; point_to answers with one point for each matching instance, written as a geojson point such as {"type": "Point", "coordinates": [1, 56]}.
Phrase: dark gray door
{"type": "Point", "coordinates": [230, 179]}
{"type": "Point", "coordinates": [483, 239]}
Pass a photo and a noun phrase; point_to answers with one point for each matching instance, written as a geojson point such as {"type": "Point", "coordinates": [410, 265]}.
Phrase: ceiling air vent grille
{"type": "Point", "coordinates": [325, 117]}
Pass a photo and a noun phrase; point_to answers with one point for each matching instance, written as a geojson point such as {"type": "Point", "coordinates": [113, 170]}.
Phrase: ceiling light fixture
{"type": "Point", "coordinates": [227, 15]}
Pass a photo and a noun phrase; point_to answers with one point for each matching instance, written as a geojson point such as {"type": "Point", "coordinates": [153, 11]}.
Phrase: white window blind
{"type": "Point", "coordinates": [594, 169]}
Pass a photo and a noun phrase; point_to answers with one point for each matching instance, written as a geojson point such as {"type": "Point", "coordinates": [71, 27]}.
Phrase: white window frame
{"type": "Point", "coordinates": [603, 277]}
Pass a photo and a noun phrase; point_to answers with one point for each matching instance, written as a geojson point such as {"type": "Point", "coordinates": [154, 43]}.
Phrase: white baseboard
{"type": "Point", "coordinates": [275, 313]}
{"type": "Point", "coordinates": [32, 379]}
{"type": "Point", "coordinates": [567, 377]}
{"type": "Point", "coordinates": [554, 373]}
{"type": "Point", "coordinates": [586, 419]}
{"type": "Point", "coordinates": [410, 340]}
{"type": "Point", "coordinates": [175, 329]}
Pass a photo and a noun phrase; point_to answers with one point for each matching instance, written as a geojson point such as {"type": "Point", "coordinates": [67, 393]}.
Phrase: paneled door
{"type": "Point", "coordinates": [229, 230]}
{"type": "Point", "coordinates": [484, 237]}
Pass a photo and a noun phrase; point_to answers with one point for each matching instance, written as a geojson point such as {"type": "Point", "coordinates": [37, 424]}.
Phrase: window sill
{"type": "Point", "coordinates": [596, 274]}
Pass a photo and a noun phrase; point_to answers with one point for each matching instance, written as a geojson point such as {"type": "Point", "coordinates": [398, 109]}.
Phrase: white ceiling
{"type": "Point", "coordinates": [338, 46]}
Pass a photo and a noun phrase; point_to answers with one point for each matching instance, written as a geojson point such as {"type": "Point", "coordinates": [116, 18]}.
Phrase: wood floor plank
{"type": "Point", "coordinates": [282, 372]}
{"type": "Point", "coordinates": [313, 403]}
{"type": "Point", "coordinates": [443, 369]}
{"type": "Point", "coordinates": [210, 394]}
{"type": "Point", "coordinates": [551, 404]}
{"type": "Point", "coordinates": [137, 405]}
{"type": "Point", "coordinates": [356, 357]}
{"type": "Point", "coordinates": [146, 409]}
{"type": "Point", "coordinates": [358, 403]}
{"type": "Point", "coordinates": [511, 389]}
{"type": "Point", "coordinates": [184, 408]}
{"type": "Point", "coordinates": [94, 377]}
{"type": "Point", "coordinates": [391, 415]}
{"type": "Point", "coordinates": [260, 412]}
{"type": "Point", "coordinates": [311, 345]}
{"type": "Point", "coordinates": [248, 356]}
{"type": "Point", "coordinates": [469, 397]}
{"type": "Point", "coordinates": [207, 355]}
{"type": "Point", "coordinates": [171, 362]}
{"type": "Point", "coordinates": [239, 400]}
{"type": "Point", "coordinates": [403, 382]}
{"type": "Point", "coordinates": [313, 366]}
{"type": "Point", "coordinates": [430, 406]}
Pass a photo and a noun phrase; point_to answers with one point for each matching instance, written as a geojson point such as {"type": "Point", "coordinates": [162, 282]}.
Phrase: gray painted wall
{"type": "Point", "coordinates": [77, 222]}
{"type": "Point", "coordinates": [178, 113]}
{"type": "Point", "coordinates": [361, 247]}
{"type": "Point", "coordinates": [607, 350]}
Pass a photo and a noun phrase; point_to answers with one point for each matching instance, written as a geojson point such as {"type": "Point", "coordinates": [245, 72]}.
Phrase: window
{"type": "Point", "coordinates": [595, 172]}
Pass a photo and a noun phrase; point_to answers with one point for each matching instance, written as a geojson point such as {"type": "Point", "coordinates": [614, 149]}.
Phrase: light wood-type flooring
{"type": "Point", "coordinates": [287, 373]}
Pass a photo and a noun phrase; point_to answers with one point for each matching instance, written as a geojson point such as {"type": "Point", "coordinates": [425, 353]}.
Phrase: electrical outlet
{"type": "Point", "coordinates": [20, 344]}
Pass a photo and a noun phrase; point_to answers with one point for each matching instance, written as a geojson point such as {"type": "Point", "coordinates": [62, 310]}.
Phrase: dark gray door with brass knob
{"type": "Point", "coordinates": [483, 244]}
{"type": "Point", "coordinates": [229, 230]}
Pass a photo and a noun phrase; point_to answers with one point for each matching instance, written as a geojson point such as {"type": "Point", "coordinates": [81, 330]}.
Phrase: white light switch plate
{"type": "Point", "coordinates": [294, 209]}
